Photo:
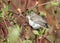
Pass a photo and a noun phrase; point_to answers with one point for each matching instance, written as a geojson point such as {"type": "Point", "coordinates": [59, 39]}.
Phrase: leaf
{"type": "Point", "coordinates": [54, 3]}
{"type": "Point", "coordinates": [14, 33]}
{"type": "Point", "coordinates": [35, 32]}
{"type": "Point", "coordinates": [43, 14]}
{"type": "Point", "coordinates": [1, 19]}
{"type": "Point", "coordinates": [27, 41]}
{"type": "Point", "coordinates": [4, 10]}
{"type": "Point", "coordinates": [43, 31]}
{"type": "Point", "coordinates": [47, 6]}
{"type": "Point", "coordinates": [2, 14]}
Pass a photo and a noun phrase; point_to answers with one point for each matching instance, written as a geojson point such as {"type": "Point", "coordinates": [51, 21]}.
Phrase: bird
{"type": "Point", "coordinates": [36, 21]}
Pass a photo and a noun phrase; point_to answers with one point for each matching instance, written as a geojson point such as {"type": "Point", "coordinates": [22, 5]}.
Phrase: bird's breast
{"type": "Point", "coordinates": [34, 25]}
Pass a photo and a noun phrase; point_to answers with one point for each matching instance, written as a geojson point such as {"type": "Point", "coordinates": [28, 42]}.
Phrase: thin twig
{"type": "Point", "coordinates": [48, 40]}
{"type": "Point", "coordinates": [26, 7]}
{"type": "Point", "coordinates": [12, 12]}
{"type": "Point", "coordinates": [5, 23]}
{"type": "Point", "coordinates": [4, 2]}
{"type": "Point", "coordinates": [14, 6]}
{"type": "Point", "coordinates": [39, 5]}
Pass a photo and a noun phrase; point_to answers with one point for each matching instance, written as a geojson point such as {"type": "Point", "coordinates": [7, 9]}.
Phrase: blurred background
{"type": "Point", "coordinates": [15, 29]}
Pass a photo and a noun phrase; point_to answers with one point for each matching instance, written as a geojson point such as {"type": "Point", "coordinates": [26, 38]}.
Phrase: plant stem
{"type": "Point", "coordinates": [26, 7]}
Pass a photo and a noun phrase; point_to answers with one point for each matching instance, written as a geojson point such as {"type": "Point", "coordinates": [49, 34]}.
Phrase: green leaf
{"type": "Point", "coordinates": [2, 14]}
{"type": "Point", "coordinates": [35, 32]}
{"type": "Point", "coordinates": [42, 14]}
{"type": "Point", "coordinates": [4, 10]}
{"type": "Point", "coordinates": [27, 41]}
{"type": "Point", "coordinates": [54, 3]}
{"type": "Point", "coordinates": [1, 19]}
{"type": "Point", "coordinates": [14, 33]}
{"type": "Point", "coordinates": [47, 6]}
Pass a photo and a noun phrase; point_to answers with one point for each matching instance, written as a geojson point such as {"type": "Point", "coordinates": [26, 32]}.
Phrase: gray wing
{"type": "Point", "coordinates": [38, 19]}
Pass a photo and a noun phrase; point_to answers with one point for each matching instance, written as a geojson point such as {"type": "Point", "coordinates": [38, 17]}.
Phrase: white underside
{"type": "Point", "coordinates": [34, 25]}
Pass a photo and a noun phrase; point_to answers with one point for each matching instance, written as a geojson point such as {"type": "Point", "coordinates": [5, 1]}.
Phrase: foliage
{"type": "Point", "coordinates": [52, 4]}
{"type": "Point", "coordinates": [14, 33]}
{"type": "Point", "coordinates": [3, 11]}
{"type": "Point", "coordinates": [27, 41]}
{"type": "Point", "coordinates": [40, 32]}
